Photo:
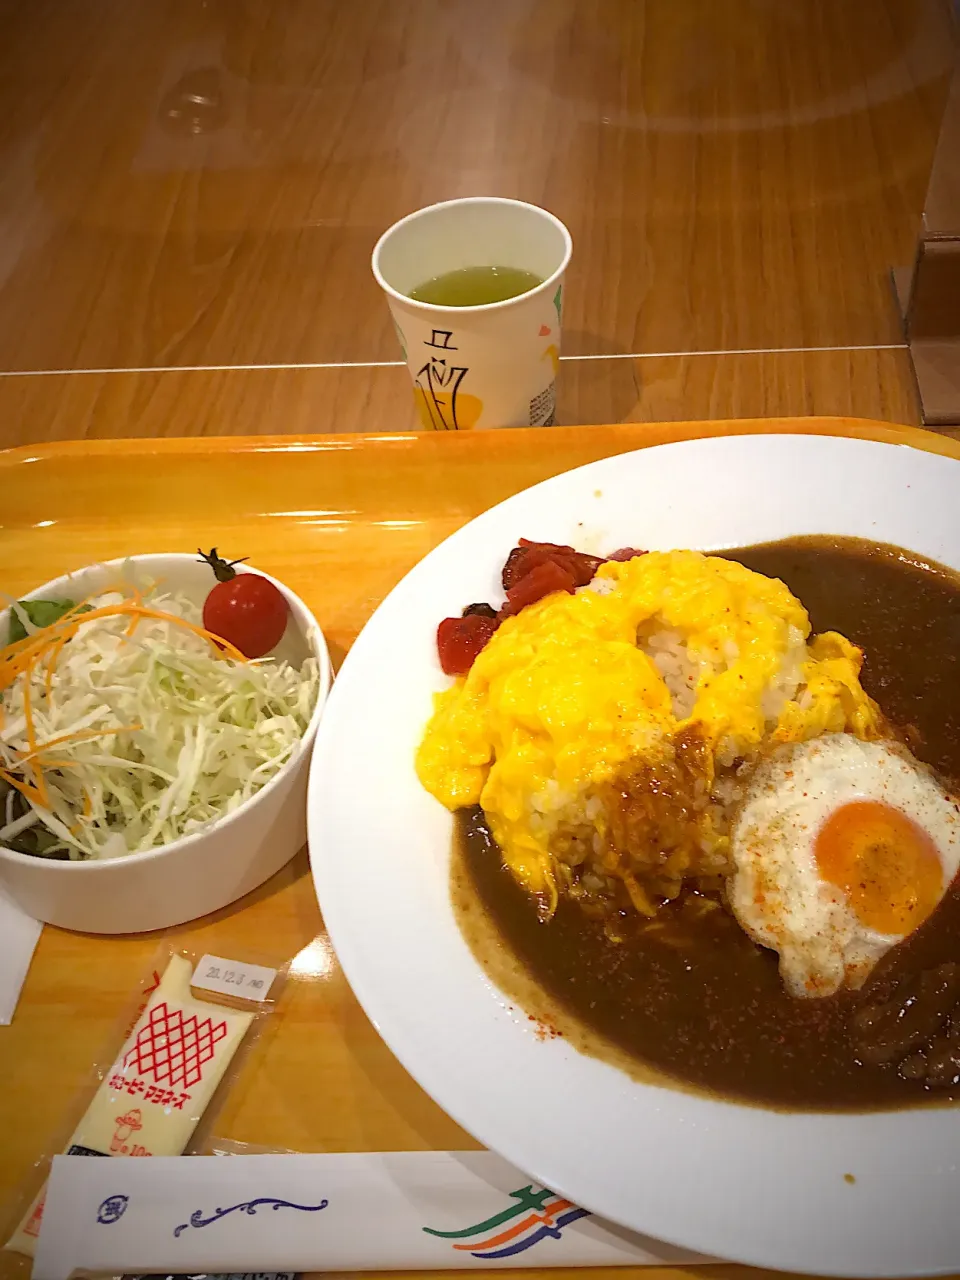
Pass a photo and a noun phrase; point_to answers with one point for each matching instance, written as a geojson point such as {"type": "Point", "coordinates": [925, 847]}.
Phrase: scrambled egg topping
{"type": "Point", "coordinates": [562, 699]}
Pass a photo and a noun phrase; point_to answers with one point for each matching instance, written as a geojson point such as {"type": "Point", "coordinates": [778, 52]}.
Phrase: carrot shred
{"type": "Point", "coordinates": [137, 600]}
{"type": "Point", "coordinates": [52, 656]}
{"type": "Point", "coordinates": [19, 657]}
{"type": "Point", "coordinates": [25, 788]}
{"type": "Point", "coordinates": [44, 647]}
{"type": "Point", "coordinates": [72, 614]}
{"type": "Point", "coordinates": [40, 781]}
{"type": "Point", "coordinates": [81, 735]}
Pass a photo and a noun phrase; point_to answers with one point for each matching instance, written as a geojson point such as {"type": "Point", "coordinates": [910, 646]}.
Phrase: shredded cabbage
{"type": "Point", "coordinates": [173, 733]}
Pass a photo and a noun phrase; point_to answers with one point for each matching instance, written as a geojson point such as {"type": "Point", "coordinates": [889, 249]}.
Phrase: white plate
{"type": "Point", "coordinates": [742, 1182]}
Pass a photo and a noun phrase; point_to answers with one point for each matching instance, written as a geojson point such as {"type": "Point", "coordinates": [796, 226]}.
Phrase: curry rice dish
{"type": "Point", "coordinates": [697, 827]}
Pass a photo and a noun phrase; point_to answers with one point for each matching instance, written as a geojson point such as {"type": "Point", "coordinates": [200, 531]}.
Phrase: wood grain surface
{"type": "Point", "coordinates": [340, 520]}
{"type": "Point", "coordinates": [202, 183]}
{"type": "Point", "coordinates": [868, 384]}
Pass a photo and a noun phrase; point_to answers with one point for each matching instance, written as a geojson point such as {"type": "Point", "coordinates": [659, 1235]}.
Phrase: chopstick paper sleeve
{"type": "Point", "coordinates": [350, 1212]}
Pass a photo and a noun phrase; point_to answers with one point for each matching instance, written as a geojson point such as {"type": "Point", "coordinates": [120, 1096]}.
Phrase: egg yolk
{"type": "Point", "coordinates": [886, 864]}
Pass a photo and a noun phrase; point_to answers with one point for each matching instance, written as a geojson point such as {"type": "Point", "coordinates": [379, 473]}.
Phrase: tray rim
{"type": "Point", "coordinates": [645, 433]}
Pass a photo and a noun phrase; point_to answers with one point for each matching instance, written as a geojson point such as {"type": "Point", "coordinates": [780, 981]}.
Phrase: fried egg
{"type": "Point", "coordinates": [841, 849]}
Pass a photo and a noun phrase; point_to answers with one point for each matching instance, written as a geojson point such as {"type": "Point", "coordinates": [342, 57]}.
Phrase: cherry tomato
{"type": "Point", "coordinates": [244, 608]}
{"type": "Point", "coordinates": [460, 640]}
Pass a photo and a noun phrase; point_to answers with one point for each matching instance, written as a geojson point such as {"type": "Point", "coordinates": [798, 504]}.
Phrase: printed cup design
{"type": "Point", "coordinates": [493, 365]}
{"type": "Point", "coordinates": [441, 403]}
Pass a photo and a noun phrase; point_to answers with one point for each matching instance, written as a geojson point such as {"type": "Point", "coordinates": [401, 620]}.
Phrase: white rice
{"type": "Point", "coordinates": [682, 668]}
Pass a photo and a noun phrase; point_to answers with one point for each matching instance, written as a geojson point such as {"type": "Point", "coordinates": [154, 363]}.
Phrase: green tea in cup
{"type": "Point", "coordinates": [475, 286]}
{"type": "Point", "coordinates": [475, 289]}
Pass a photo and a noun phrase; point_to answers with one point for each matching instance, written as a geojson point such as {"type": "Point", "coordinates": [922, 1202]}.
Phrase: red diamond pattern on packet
{"type": "Point", "coordinates": [173, 1048]}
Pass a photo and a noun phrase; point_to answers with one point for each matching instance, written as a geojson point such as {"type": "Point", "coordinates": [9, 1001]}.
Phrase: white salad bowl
{"type": "Point", "coordinates": [208, 869]}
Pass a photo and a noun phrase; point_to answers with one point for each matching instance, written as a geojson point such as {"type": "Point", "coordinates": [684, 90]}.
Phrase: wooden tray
{"type": "Point", "coordinates": [340, 519]}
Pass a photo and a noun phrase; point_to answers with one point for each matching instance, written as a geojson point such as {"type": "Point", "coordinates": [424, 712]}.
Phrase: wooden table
{"type": "Point", "coordinates": [193, 188]}
{"type": "Point", "coordinates": [353, 515]}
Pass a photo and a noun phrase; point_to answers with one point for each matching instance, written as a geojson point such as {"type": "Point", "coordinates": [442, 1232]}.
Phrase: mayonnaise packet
{"type": "Point", "coordinates": [172, 1062]}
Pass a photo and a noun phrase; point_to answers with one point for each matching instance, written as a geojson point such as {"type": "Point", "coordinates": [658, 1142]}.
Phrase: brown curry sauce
{"type": "Point", "coordinates": [691, 997]}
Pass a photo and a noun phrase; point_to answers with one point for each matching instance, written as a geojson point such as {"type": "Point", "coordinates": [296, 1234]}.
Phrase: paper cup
{"type": "Point", "coordinates": [486, 366]}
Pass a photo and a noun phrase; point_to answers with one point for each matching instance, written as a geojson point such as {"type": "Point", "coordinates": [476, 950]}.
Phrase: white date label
{"type": "Point", "coordinates": [229, 978]}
